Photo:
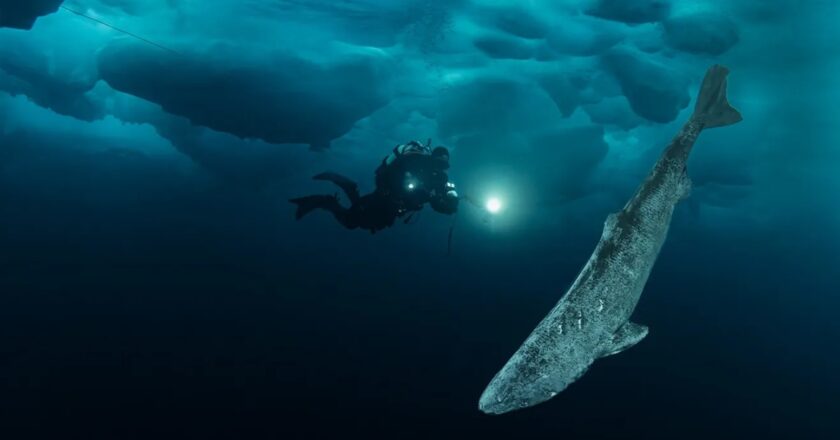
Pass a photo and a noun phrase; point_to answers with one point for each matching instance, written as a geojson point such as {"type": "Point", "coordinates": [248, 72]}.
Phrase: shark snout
{"type": "Point", "coordinates": [491, 402]}
{"type": "Point", "coordinates": [500, 397]}
{"type": "Point", "coordinates": [517, 387]}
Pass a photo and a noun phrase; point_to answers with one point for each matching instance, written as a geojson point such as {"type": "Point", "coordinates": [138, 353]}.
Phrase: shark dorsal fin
{"type": "Point", "coordinates": [609, 224]}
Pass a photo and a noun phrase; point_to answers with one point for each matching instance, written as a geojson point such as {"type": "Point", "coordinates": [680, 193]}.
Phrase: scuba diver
{"type": "Point", "coordinates": [408, 178]}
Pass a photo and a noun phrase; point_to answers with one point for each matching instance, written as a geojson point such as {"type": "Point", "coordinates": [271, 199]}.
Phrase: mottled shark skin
{"type": "Point", "coordinates": [592, 319]}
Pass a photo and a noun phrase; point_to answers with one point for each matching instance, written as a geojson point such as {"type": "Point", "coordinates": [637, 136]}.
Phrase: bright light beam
{"type": "Point", "coordinates": [493, 205]}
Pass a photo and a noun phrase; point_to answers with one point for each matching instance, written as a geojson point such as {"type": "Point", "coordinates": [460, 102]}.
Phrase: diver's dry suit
{"type": "Point", "coordinates": [411, 176]}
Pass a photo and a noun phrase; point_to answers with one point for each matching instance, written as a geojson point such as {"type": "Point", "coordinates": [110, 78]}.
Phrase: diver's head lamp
{"type": "Point", "coordinates": [411, 182]}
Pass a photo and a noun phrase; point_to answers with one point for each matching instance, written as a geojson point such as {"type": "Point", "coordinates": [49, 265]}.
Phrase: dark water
{"type": "Point", "coordinates": [154, 284]}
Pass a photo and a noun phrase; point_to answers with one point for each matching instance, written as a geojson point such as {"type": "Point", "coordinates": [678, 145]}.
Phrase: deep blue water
{"type": "Point", "coordinates": [154, 282]}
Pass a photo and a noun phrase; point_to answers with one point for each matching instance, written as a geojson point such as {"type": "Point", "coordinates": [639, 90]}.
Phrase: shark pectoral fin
{"type": "Point", "coordinates": [684, 186]}
{"type": "Point", "coordinates": [625, 337]}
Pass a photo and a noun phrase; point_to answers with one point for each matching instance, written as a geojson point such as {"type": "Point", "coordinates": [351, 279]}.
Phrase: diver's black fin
{"type": "Point", "coordinates": [348, 186]}
{"type": "Point", "coordinates": [307, 204]}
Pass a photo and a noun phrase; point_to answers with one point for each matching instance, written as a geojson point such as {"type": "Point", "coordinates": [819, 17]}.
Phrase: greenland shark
{"type": "Point", "coordinates": [592, 320]}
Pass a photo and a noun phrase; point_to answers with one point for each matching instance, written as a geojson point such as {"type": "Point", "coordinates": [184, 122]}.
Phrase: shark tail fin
{"type": "Point", "coordinates": [712, 107]}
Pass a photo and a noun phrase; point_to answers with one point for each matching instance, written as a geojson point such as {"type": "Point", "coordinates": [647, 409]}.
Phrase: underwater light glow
{"type": "Point", "coordinates": [493, 205]}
